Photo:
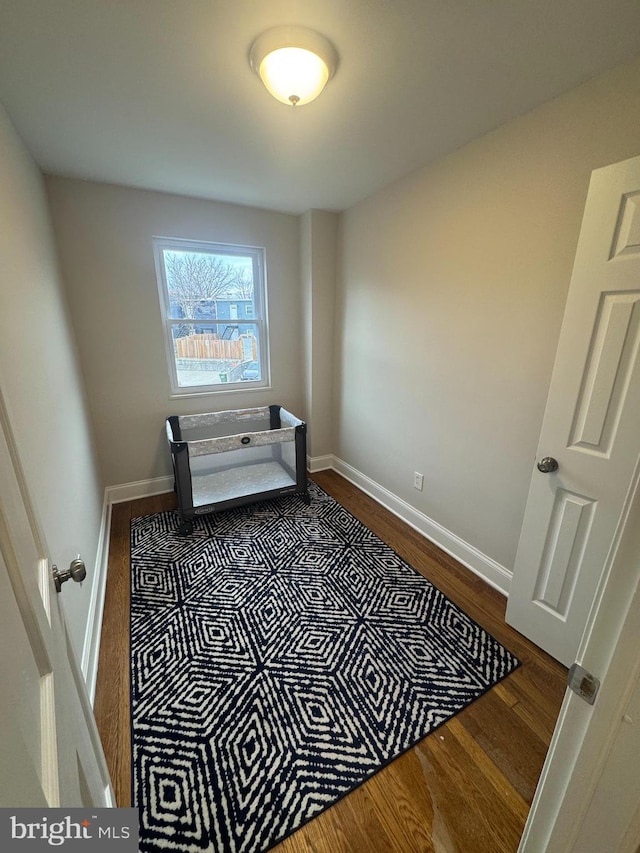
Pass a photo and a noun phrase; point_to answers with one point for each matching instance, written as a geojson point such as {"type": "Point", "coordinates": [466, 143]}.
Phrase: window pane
{"type": "Point", "coordinates": [208, 286]}
{"type": "Point", "coordinates": [213, 303]}
{"type": "Point", "coordinates": [216, 353]}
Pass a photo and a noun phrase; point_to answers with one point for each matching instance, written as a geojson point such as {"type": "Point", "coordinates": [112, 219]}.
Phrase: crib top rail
{"type": "Point", "coordinates": [280, 426]}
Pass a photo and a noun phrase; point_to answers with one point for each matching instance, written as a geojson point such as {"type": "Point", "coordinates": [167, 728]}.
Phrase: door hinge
{"type": "Point", "coordinates": [583, 683]}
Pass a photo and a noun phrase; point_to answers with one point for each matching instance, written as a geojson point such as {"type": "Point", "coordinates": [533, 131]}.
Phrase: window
{"type": "Point", "coordinates": [209, 347]}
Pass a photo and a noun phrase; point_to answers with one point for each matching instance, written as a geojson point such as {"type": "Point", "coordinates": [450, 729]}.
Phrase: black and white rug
{"type": "Point", "coordinates": [281, 655]}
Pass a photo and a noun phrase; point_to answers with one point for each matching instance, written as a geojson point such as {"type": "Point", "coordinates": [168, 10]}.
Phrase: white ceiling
{"type": "Point", "coordinates": [159, 94]}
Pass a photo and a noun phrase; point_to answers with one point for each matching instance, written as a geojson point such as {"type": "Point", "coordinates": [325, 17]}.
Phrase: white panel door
{"type": "Point", "coordinates": [591, 425]}
{"type": "Point", "coordinates": [49, 745]}
{"type": "Point", "coordinates": [612, 812]}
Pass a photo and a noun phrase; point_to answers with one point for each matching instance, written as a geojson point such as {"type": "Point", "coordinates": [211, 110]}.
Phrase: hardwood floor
{"type": "Point", "coordinates": [466, 788]}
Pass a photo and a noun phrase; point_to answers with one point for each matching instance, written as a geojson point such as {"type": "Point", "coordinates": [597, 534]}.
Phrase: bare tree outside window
{"type": "Point", "coordinates": [197, 278]}
{"type": "Point", "coordinates": [243, 285]}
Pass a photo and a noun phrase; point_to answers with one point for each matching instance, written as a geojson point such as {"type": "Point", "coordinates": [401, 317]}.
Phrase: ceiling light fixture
{"type": "Point", "coordinates": [294, 63]}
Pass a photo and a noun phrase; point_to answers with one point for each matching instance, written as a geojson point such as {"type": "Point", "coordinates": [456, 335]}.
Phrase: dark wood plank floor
{"type": "Point", "coordinates": [466, 788]}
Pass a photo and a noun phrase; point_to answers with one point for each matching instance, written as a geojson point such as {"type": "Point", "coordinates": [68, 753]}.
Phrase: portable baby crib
{"type": "Point", "coordinates": [226, 459]}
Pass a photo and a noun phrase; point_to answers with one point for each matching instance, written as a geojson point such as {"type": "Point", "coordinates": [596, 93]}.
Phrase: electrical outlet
{"type": "Point", "coordinates": [418, 481]}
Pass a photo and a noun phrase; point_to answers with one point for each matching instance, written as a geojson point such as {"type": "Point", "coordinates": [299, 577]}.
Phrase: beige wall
{"type": "Point", "coordinates": [104, 235]}
{"type": "Point", "coordinates": [453, 283]}
{"type": "Point", "coordinates": [318, 260]}
{"type": "Point", "coordinates": [306, 297]}
{"type": "Point", "coordinates": [40, 380]}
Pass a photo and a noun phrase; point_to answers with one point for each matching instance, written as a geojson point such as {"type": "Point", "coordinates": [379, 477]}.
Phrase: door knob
{"type": "Point", "coordinates": [77, 571]}
{"type": "Point", "coordinates": [548, 465]}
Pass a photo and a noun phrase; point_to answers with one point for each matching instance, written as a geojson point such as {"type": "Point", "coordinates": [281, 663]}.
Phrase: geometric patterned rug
{"type": "Point", "coordinates": [280, 656]}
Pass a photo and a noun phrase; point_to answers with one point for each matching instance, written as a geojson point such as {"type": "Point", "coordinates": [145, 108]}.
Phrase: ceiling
{"type": "Point", "coordinates": [159, 94]}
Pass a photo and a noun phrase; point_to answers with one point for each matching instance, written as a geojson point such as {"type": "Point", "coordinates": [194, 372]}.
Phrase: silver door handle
{"type": "Point", "coordinates": [548, 465]}
{"type": "Point", "coordinates": [77, 571]}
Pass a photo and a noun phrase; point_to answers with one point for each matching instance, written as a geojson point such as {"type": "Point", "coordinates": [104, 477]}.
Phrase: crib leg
{"type": "Point", "coordinates": [186, 527]}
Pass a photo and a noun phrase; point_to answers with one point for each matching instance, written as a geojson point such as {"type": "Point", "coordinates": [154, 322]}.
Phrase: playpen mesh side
{"type": "Point", "coordinates": [236, 453]}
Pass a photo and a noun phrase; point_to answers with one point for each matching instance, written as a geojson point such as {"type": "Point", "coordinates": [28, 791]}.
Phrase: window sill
{"type": "Point", "coordinates": [214, 393]}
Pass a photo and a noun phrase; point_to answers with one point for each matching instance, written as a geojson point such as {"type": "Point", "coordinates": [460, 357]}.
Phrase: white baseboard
{"type": "Point", "coordinates": [492, 572]}
{"type": "Point", "coordinates": [139, 489]}
{"type": "Point", "coordinates": [112, 495]}
{"type": "Point", "coordinates": [320, 463]}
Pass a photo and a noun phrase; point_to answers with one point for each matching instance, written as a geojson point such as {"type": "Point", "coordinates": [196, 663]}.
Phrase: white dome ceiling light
{"type": "Point", "coordinates": [294, 63]}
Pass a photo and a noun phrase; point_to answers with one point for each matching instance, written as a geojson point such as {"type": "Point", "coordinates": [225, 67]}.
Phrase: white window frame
{"type": "Point", "coordinates": [260, 318]}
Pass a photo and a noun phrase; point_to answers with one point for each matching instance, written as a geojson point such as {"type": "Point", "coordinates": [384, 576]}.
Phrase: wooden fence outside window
{"type": "Point", "coordinates": [211, 346]}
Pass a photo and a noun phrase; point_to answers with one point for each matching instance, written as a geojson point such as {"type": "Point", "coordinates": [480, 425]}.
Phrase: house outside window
{"type": "Point", "coordinates": [213, 304]}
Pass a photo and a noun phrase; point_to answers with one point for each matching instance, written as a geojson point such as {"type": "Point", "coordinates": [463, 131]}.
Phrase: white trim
{"type": "Point", "coordinates": [235, 389]}
{"type": "Point", "coordinates": [320, 463]}
{"type": "Point", "coordinates": [112, 495]}
{"type": "Point", "coordinates": [139, 489]}
{"type": "Point", "coordinates": [91, 645]}
{"type": "Point", "coordinates": [492, 572]}
{"type": "Point", "coordinates": [260, 319]}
